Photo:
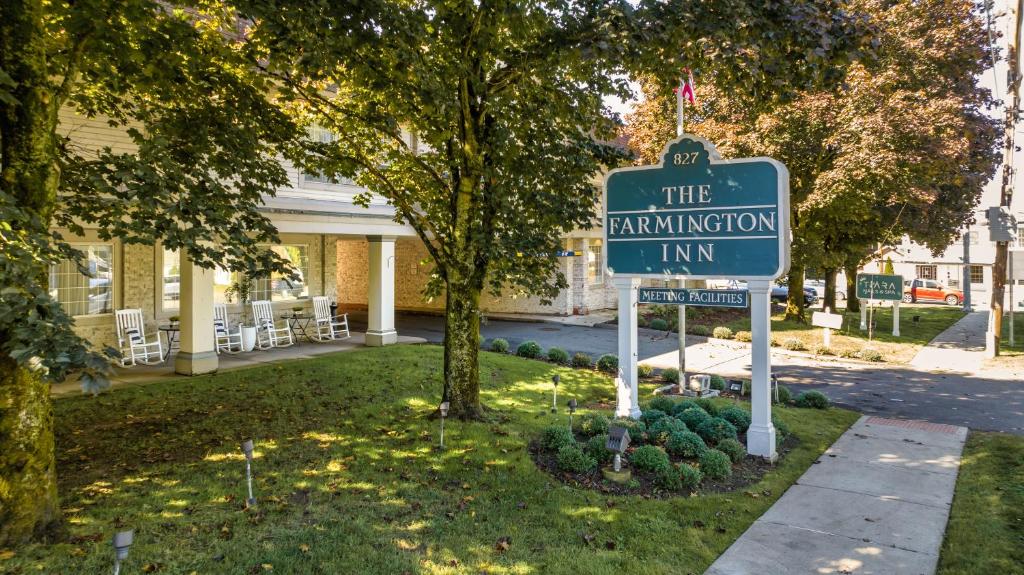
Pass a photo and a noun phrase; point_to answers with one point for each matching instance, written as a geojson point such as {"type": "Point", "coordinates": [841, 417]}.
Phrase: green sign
{"type": "Point", "coordinates": [696, 297]}
{"type": "Point", "coordinates": [695, 215]}
{"type": "Point", "coordinates": [879, 286]}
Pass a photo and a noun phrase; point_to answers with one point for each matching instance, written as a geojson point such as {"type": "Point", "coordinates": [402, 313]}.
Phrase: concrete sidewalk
{"type": "Point", "coordinates": [876, 502]}
{"type": "Point", "coordinates": [960, 348]}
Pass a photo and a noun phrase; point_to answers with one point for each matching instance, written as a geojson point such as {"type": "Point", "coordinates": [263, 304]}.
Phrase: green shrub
{"type": "Point", "coordinates": [595, 447]}
{"type": "Point", "coordinates": [693, 417]}
{"type": "Point", "coordinates": [636, 428]}
{"type": "Point", "coordinates": [571, 458]}
{"type": "Point", "coordinates": [784, 395]}
{"type": "Point", "coordinates": [737, 416]}
{"type": "Point", "coordinates": [822, 350]}
{"type": "Point", "coordinates": [690, 476]}
{"type": "Point", "coordinates": [781, 429]}
{"type": "Point", "coordinates": [530, 349]}
{"type": "Point", "coordinates": [744, 336]}
{"type": "Point", "coordinates": [746, 388]}
{"type": "Point", "coordinates": [558, 355]}
{"type": "Point", "coordinates": [793, 344]}
{"type": "Point", "coordinates": [715, 464]}
{"type": "Point", "coordinates": [608, 363]}
{"type": "Point", "coordinates": [649, 458]}
{"type": "Point", "coordinates": [580, 359]}
{"type": "Point", "coordinates": [868, 354]}
{"type": "Point", "coordinates": [717, 382]}
{"type": "Point", "coordinates": [649, 416]}
{"type": "Point", "coordinates": [555, 437]}
{"type": "Point", "coordinates": [683, 406]}
{"type": "Point", "coordinates": [716, 429]}
{"type": "Point", "coordinates": [659, 324]}
{"type": "Point", "coordinates": [722, 332]}
{"type": "Point", "coordinates": [644, 370]}
{"type": "Point", "coordinates": [668, 478]}
{"type": "Point", "coordinates": [642, 322]}
{"type": "Point", "coordinates": [480, 340]}
{"type": "Point", "coordinates": [701, 330]}
{"type": "Point", "coordinates": [663, 403]}
{"type": "Point", "coordinates": [499, 345]}
{"type": "Point", "coordinates": [670, 374]}
{"type": "Point", "coordinates": [685, 444]}
{"type": "Point", "coordinates": [659, 431]}
{"type": "Point", "coordinates": [592, 424]}
{"type": "Point", "coordinates": [707, 405]}
{"type": "Point", "coordinates": [733, 448]}
{"type": "Point", "coordinates": [812, 399]}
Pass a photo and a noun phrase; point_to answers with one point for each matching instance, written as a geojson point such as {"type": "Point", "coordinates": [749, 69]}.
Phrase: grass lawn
{"type": "Point", "coordinates": [933, 320]}
{"type": "Point", "coordinates": [348, 482]}
{"type": "Point", "coordinates": [986, 525]}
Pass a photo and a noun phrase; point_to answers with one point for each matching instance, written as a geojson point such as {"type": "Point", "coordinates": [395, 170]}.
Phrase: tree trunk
{"type": "Point", "coordinates": [830, 288]}
{"type": "Point", "coordinates": [461, 351]}
{"type": "Point", "coordinates": [852, 302]}
{"type": "Point", "coordinates": [28, 470]}
{"type": "Point", "coordinates": [795, 301]}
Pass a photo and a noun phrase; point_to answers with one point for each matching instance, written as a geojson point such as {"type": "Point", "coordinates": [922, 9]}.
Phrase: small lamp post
{"type": "Point", "coordinates": [572, 409]}
{"type": "Point", "coordinates": [554, 393]}
{"type": "Point", "coordinates": [775, 387]}
{"type": "Point", "coordinates": [443, 408]}
{"type": "Point", "coordinates": [247, 450]}
{"type": "Point", "coordinates": [618, 441]}
{"type": "Point", "coordinates": [122, 541]}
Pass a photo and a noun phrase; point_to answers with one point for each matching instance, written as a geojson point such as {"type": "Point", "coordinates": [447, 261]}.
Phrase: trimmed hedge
{"type": "Point", "coordinates": [715, 464]}
{"type": "Point", "coordinates": [636, 428]}
{"type": "Point", "coordinates": [716, 429]}
{"type": "Point", "coordinates": [558, 355]}
{"type": "Point", "coordinates": [793, 344]}
{"type": "Point", "coordinates": [608, 363]}
{"type": "Point", "coordinates": [592, 424]}
{"type": "Point", "coordinates": [644, 370]}
{"type": "Point", "coordinates": [660, 430]}
{"type": "Point", "coordinates": [707, 405]}
{"type": "Point", "coordinates": [784, 395]}
{"type": "Point", "coordinates": [722, 332]}
{"type": "Point", "coordinates": [663, 403]}
{"type": "Point", "coordinates": [684, 405]}
{"type": "Point", "coordinates": [571, 458]}
{"type": "Point", "coordinates": [659, 324]}
{"type": "Point", "coordinates": [744, 336]}
{"type": "Point", "coordinates": [668, 478]}
{"type": "Point", "coordinates": [649, 458]}
{"type": "Point", "coordinates": [685, 444]}
{"type": "Point", "coordinates": [595, 447]}
{"type": "Point", "coordinates": [690, 476]}
{"type": "Point", "coordinates": [718, 383]}
{"type": "Point", "coordinates": [499, 345]}
{"type": "Point", "coordinates": [733, 448]}
{"type": "Point", "coordinates": [529, 349]}
{"type": "Point", "coordinates": [580, 359]}
{"type": "Point", "coordinates": [812, 399]}
{"type": "Point", "coordinates": [701, 330]}
{"type": "Point", "coordinates": [736, 416]}
{"type": "Point", "coordinates": [694, 417]}
{"type": "Point", "coordinates": [670, 374]}
{"type": "Point", "coordinates": [649, 416]}
{"type": "Point", "coordinates": [555, 437]}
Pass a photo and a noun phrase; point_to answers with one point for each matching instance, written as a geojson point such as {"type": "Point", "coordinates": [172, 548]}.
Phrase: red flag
{"type": "Point", "coordinates": [688, 87]}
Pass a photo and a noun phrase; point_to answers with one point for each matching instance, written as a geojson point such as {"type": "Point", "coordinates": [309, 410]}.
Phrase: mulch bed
{"type": "Point", "coordinates": [745, 473]}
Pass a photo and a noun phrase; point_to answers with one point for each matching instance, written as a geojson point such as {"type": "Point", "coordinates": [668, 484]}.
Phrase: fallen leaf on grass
{"type": "Point", "coordinates": [503, 544]}
{"type": "Point", "coordinates": [304, 548]}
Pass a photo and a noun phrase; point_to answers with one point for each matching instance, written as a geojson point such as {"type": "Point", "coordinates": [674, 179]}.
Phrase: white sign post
{"type": "Point", "coordinates": [828, 321]}
{"type": "Point", "coordinates": [761, 434]}
{"type": "Point", "coordinates": [627, 392]}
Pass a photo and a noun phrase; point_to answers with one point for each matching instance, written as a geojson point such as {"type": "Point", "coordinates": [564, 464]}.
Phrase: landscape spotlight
{"type": "Point", "coordinates": [554, 393]}
{"type": "Point", "coordinates": [122, 541]}
{"type": "Point", "coordinates": [572, 409]}
{"type": "Point", "coordinates": [443, 408]}
{"type": "Point", "coordinates": [247, 450]}
{"type": "Point", "coordinates": [618, 441]}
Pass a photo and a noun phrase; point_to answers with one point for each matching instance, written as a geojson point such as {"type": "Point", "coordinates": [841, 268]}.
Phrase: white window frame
{"type": "Point", "coordinates": [595, 279]}
{"type": "Point", "coordinates": [317, 181]}
{"type": "Point", "coordinates": [115, 277]}
{"type": "Point", "coordinates": [306, 272]}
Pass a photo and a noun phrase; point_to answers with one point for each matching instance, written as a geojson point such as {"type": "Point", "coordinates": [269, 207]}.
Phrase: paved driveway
{"type": "Point", "coordinates": [974, 401]}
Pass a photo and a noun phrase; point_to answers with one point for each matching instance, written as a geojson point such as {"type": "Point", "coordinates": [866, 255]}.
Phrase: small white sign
{"type": "Point", "coordinates": [829, 320]}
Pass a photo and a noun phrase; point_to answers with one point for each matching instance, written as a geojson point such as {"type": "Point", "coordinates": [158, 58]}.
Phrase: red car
{"type": "Point", "coordinates": [920, 290]}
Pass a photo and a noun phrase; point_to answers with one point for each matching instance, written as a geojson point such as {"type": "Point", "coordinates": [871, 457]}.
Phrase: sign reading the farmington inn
{"type": "Point", "coordinates": [697, 216]}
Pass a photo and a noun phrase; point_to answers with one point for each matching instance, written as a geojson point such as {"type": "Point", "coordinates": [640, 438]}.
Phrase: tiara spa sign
{"type": "Point", "coordinates": [697, 216]}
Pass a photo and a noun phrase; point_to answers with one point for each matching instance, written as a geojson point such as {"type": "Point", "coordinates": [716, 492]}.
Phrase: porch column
{"type": "Point", "coordinates": [198, 348]}
{"type": "Point", "coordinates": [381, 294]}
{"type": "Point", "coordinates": [627, 392]}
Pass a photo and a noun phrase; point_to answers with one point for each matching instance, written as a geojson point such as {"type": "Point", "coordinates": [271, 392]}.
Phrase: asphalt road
{"type": "Point", "coordinates": [974, 401]}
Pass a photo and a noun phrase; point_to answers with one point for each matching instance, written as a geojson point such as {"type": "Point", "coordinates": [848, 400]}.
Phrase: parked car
{"type": "Point", "coordinates": [921, 290]}
{"type": "Point", "coordinates": [780, 294]}
{"type": "Point", "coordinates": [819, 289]}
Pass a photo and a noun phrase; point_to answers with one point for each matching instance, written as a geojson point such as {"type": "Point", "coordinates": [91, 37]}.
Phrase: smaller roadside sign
{"type": "Point", "coordinates": [829, 320]}
{"type": "Point", "coordinates": [559, 253]}
{"type": "Point", "coordinates": [697, 297]}
{"type": "Point", "coordinates": [880, 286]}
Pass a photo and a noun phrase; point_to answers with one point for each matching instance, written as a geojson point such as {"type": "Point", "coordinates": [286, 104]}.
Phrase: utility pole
{"type": "Point", "coordinates": [1006, 195]}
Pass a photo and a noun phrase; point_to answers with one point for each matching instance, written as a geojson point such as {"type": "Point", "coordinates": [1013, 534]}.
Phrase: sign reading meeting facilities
{"type": "Point", "coordinates": [697, 297]}
{"type": "Point", "coordinates": [697, 216]}
{"type": "Point", "coordinates": [880, 286]}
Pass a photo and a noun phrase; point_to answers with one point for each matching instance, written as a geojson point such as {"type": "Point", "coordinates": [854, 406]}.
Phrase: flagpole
{"type": "Point", "coordinates": [681, 322]}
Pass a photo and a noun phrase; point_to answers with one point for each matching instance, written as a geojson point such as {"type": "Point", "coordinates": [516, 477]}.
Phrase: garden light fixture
{"type": "Point", "coordinates": [554, 393]}
{"type": "Point", "coordinates": [122, 541]}
{"type": "Point", "coordinates": [247, 449]}
{"type": "Point", "coordinates": [618, 441]}
{"type": "Point", "coordinates": [572, 409]}
{"type": "Point", "coordinates": [443, 408]}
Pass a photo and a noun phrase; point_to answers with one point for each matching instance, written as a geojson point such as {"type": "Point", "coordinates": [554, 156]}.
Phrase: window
{"type": "Point", "coordinates": [927, 272]}
{"type": "Point", "coordinates": [318, 134]}
{"type": "Point", "coordinates": [977, 274]}
{"type": "Point", "coordinates": [929, 284]}
{"type": "Point", "coordinates": [278, 287]}
{"type": "Point", "coordinates": [170, 282]}
{"type": "Point", "coordinates": [85, 294]}
{"type": "Point", "coordinates": [594, 275]}
{"type": "Point", "coordinates": [973, 238]}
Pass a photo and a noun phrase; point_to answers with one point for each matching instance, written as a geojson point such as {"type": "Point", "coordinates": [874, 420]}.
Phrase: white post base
{"type": "Point", "coordinates": [863, 316]}
{"type": "Point", "coordinates": [626, 391]}
{"type": "Point", "coordinates": [895, 319]}
{"type": "Point", "coordinates": [761, 434]}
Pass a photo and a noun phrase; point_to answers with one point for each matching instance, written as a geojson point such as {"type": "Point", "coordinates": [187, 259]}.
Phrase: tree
{"type": "Point", "coordinates": [207, 142]}
{"type": "Point", "coordinates": [482, 122]}
{"type": "Point", "coordinates": [902, 147]}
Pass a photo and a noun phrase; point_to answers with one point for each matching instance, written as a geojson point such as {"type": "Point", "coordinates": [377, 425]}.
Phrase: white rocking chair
{"type": "Point", "coordinates": [328, 327]}
{"type": "Point", "coordinates": [227, 341]}
{"type": "Point", "coordinates": [268, 334]}
{"type": "Point", "coordinates": [133, 342]}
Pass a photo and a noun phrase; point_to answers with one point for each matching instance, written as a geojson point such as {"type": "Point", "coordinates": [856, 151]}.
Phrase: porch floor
{"type": "Point", "coordinates": [302, 350]}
